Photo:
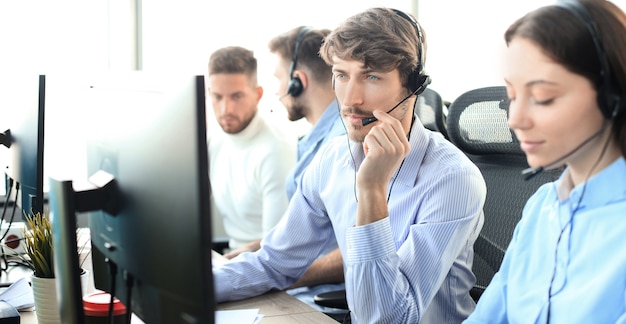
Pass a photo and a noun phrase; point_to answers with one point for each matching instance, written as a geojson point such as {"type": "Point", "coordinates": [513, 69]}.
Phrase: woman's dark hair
{"type": "Point", "coordinates": [566, 38]}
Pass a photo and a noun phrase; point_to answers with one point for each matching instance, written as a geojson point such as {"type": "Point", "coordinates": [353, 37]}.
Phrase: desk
{"type": "Point", "coordinates": [277, 307]}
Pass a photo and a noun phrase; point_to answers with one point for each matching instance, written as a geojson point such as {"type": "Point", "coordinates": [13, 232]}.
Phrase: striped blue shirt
{"type": "Point", "coordinates": [413, 266]}
{"type": "Point", "coordinates": [328, 126]}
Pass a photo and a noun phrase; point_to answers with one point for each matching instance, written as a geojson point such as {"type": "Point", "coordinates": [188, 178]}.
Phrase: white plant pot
{"type": "Point", "coordinates": [45, 295]}
{"type": "Point", "coordinates": [46, 304]}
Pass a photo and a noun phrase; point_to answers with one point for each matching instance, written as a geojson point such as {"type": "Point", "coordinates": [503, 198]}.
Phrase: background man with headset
{"type": "Point", "coordinates": [305, 82]}
{"type": "Point", "coordinates": [249, 159]}
{"type": "Point", "coordinates": [404, 204]}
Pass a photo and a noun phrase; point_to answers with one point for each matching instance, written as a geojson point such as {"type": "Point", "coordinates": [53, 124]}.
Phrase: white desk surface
{"type": "Point", "coordinates": [276, 307]}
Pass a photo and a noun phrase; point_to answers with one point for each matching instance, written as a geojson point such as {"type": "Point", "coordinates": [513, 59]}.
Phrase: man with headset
{"type": "Point", "coordinates": [404, 205]}
{"type": "Point", "coordinates": [306, 92]}
{"type": "Point", "coordinates": [305, 88]}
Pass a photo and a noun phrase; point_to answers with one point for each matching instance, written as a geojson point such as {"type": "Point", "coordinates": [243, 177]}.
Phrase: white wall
{"type": "Point", "coordinates": [45, 36]}
{"type": "Point", "coordinates": [465, 40]}
{"type": "Point", "coordinates": [464, 37]}
{"type": "Point", "coordinates": [183, 34]}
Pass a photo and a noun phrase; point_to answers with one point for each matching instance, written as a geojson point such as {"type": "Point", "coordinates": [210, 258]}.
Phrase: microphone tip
{"type": "Point", "coordinates": [530, 173]}
{"type": "Point", "coordinates": [367, 121]}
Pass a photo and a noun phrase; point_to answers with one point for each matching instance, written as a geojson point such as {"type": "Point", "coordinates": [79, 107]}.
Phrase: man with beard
{"type": "Point", "coordinates": [306, 91]}
{"type": "Point", "coordinates": [249, 159]}
{"type": "Point", "coordinates": [403, 204]}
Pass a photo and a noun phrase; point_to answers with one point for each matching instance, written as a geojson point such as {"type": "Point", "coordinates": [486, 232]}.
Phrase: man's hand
{"type": "Point", "coordinates": [385, 146]}
{"type": "Point", "coordinates": [249, 247]}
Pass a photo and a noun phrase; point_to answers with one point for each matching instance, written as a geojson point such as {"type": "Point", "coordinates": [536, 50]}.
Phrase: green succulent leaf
{"type": "Point", "coordinates": [38, 239]}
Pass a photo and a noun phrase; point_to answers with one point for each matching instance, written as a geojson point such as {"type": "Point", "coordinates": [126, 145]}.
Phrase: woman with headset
{"type": "Point", "coordinates": [565, 73]}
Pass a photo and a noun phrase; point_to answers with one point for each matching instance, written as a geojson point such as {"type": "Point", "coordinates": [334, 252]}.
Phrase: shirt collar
{"type": "Point", "coordinates": [591, 196]}
{"type": "Point", "coordinates": [324, 124]}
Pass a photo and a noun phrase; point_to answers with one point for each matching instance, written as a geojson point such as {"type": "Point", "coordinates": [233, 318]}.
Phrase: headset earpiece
{"type": "Point", "coordinates": [608, 98]}
{"type": "Point", "coordinates": [616, 103]}
{"type": "Point", "coordinates": [422, 81]}
{"type": "Point", "coordinates": [295, 88]}
{"type": "Point", "coordinates": [418, 80]}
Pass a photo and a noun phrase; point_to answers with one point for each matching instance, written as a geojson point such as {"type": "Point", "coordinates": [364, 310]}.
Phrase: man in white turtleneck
{"type": "Point", "coordinates": [249, 159]}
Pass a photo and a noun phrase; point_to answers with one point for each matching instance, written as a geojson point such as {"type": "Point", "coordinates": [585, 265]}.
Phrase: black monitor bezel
{"type": "Point", "coordinates": [66, 200]}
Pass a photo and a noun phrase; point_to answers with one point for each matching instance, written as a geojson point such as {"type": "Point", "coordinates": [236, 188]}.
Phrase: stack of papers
{"type": "Point", "coordinates": [19, 295]}
{"type": "Point", "coordinates": [247, 316]}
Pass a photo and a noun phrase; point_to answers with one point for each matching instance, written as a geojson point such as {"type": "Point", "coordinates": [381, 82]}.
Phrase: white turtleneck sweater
{"type": "Point", "coordinates": [247, 173]}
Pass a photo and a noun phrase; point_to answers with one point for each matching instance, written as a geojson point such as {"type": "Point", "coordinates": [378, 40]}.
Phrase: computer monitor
{"type": "Point", "coordinates": [22, 113]}
{"type": "Point", "coordinates": [148, 197]}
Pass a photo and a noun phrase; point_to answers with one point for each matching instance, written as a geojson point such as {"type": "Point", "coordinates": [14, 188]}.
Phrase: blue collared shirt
{"type": "Point", "coordinates": [589, 283]}
{"type": "Point", "coordinates": [413, 266]}
{"type": "Point", "coordinates": [328, 126]}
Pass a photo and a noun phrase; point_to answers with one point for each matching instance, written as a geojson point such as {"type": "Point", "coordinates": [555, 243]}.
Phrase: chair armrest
{"type": "Point", "coordinates": [219, 244]}
{"type": "Point", "coordinates": [476, 292]}
{"type": "Point", "coordinates": [333, 299]}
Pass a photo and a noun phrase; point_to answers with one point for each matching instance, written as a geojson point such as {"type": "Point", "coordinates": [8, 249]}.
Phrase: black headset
{"type": "Point", "coordinates": [295, 87]}
{"type": "Point", "coordinates": [418, 79]}
{"type": "Point", "coordinates": [608, 99]}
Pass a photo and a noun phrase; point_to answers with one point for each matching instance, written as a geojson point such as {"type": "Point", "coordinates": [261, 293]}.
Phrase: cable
{"type": "Point", "coordinates": [5, 264]}
{"type": "Point", "coordinates": [408, 137]}
{"type": "Point", "coordinates": [569, 222]}
{"type": "Point", "coordinates": [347, 319]}
{"type": "Point", "coordinates": [7, 199]}
{"type": "Point", "coordinates": [354, 162]}
{"type": "Point", "coordinates": [349, 148]}
{"type": "Point", "coordinates": [129, 287]}
{"type": "Point", "coordinates": [17, 192]}
{"type": "Point", "coordinates": [4, 235]}
{"type": "Point", "coordinates": [113, 273]}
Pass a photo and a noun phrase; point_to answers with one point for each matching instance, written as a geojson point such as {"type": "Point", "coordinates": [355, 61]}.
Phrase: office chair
{"type": "Point", "coordinates": [477, 124]}
{"type": "Point", "coordinates": [220, 244]}
{"type": "Point", "coordinates": [431, 111]}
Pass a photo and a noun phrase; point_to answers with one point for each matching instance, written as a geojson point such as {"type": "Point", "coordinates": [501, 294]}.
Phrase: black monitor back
{"type": "Point", "coordinates": [149, 132]}
{"type": "Point", "coordinates": [22, 104]}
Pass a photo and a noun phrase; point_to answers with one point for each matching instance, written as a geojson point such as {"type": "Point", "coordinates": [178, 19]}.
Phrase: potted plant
{"type": "Point", "coordinates": [39, 249]}
{"type": "Point", "coordinates": [38, 245]}
{"type": "Point", "coordinates": [40, 259]}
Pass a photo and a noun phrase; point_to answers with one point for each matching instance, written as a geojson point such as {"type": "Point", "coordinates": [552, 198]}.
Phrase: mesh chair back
{"type": "Point", "coordinates": [430, 110]}
{"type": "Point", "coordinates": [477, 124]}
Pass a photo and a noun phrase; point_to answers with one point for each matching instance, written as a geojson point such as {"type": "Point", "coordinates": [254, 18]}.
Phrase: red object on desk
{"type": "Point", "coordinates": [97, 305]}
